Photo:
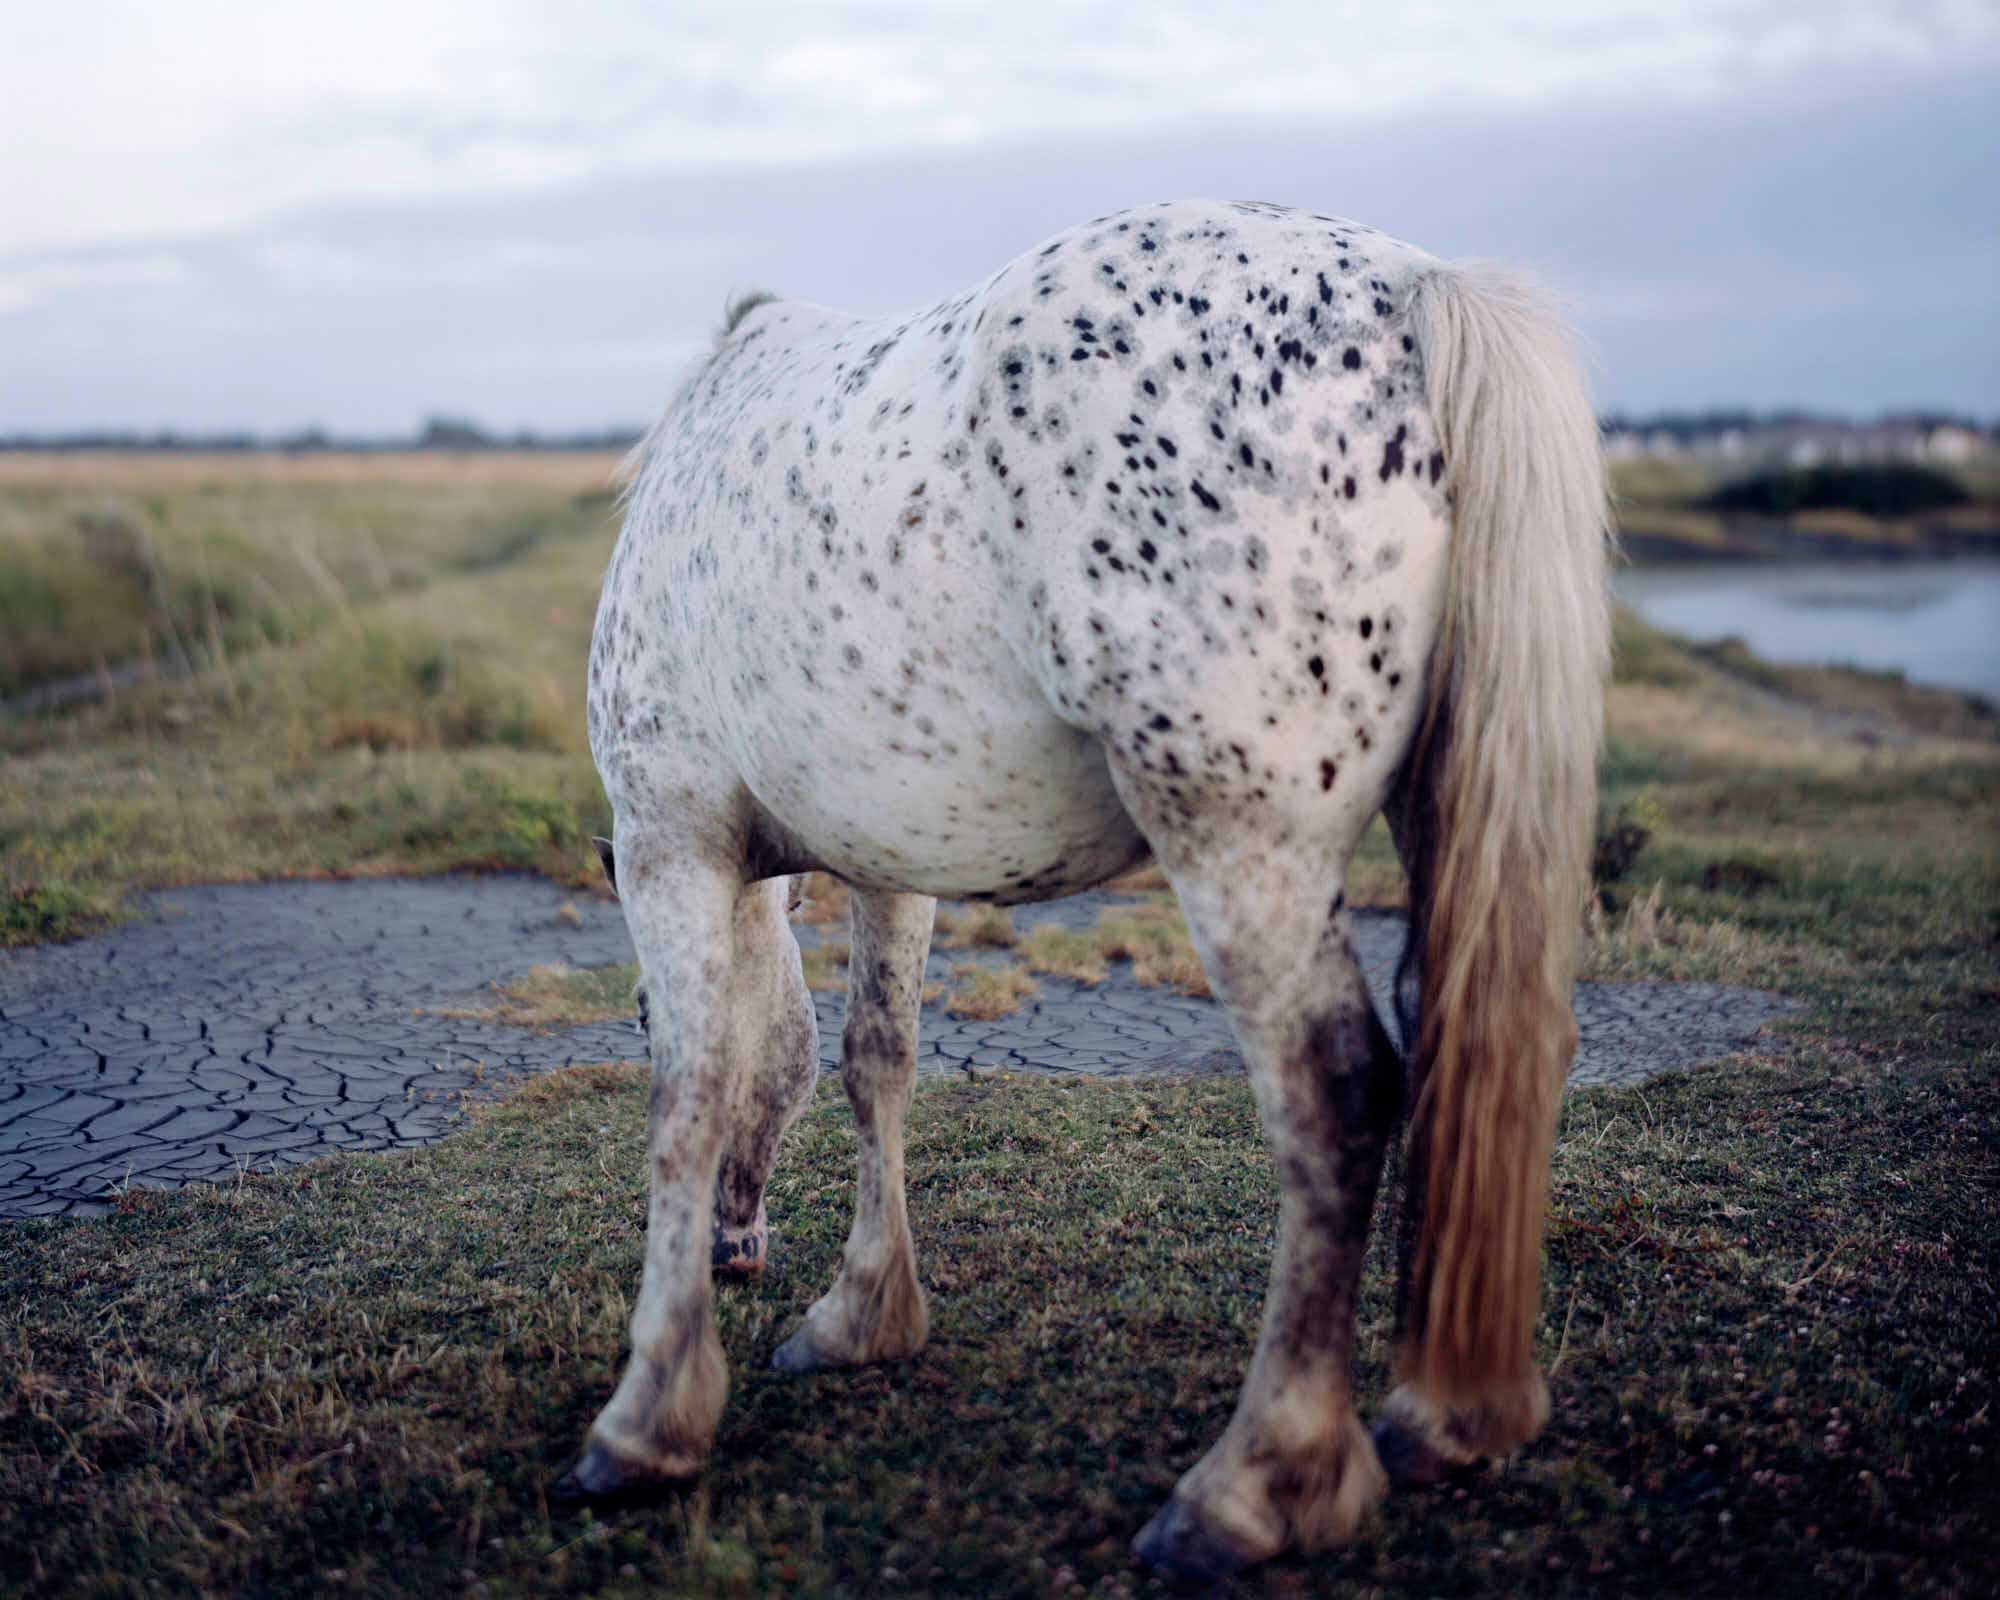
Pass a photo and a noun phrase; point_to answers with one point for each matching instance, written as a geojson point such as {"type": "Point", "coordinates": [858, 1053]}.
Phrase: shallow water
{"type": "Point", "coordinates": [1936, 622]}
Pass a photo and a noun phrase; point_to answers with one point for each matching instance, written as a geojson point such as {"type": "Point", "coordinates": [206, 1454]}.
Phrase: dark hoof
{"type": "Point", "coordinates": [1409, 1462]}
{"type": "Point", "coordinates": [599, 1479]}
{"type": "Point", "coordinates": [1177, 1544]}
{"type": "Point", "coordinates": [799, 1354]}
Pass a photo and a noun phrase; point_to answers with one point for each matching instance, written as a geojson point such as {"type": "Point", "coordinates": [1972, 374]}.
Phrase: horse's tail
{"type": "Point", "coordinates": [1499, 803]}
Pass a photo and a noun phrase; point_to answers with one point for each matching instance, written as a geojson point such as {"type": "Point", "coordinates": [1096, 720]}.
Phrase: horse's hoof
{"type": "Point", "coordinates": [1406, 1458]}
{"type": "Point", "coordinates": [800, 1354]}
{"type": "Point", "coordinates": [1179, 1544]}
{"type": "Point", "coordinates": [600, 1478]}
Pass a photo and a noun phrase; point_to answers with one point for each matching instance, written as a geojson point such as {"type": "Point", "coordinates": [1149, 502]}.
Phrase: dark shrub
{"type": "Point", "coordinates": [1890, 489]}
{"type": "Point", "coordinates": [1621, 838]}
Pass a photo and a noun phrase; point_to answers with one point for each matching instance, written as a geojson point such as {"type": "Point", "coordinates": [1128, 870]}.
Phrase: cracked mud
{"type": "Point", "coordinates": [245, 1027]}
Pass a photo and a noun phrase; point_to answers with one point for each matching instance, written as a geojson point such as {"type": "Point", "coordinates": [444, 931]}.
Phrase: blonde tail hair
{"type": "Point", "coordinates": [1499, 802]}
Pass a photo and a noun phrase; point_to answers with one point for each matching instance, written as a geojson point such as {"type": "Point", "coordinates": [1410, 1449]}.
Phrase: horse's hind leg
{"type": "Point", "coordinates": [775, 1040]}
{"type": "Point", "coordinates": [681, 910]}
{"type": "Point", "coordinates": [1294, 1469]}
{"type": "Point", "coordinates": [875, 1310]}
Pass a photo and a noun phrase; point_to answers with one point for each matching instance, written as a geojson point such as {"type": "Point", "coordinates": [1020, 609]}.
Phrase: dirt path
{"type": "Point", "coordinates": [241, 1027]}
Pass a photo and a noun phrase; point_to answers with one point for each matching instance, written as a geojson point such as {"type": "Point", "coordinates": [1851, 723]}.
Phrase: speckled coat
{"type": "Point", "coordinates": [1164, 491]}
{"type": "Point", "coordinates": [1204, 530]}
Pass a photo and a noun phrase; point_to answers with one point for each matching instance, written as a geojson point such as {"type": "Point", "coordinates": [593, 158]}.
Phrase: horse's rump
{"type": "Point", "coordinates": [1163, 492]}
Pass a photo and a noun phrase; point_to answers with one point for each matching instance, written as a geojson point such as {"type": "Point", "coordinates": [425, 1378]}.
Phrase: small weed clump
{"type": "Point", "coordinates": [560, 997]}
{"type": "Point", "coordinates": [987, 992]}
{"type": "Point", "coordinates": [978, 927]}
{"type": "Point", "coordinates": [1621, 838]}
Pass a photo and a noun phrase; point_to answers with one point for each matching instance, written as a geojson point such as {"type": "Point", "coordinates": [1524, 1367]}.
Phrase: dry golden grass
{"type": "Point", "coordinates": [1152, 935]}
{"type": "Point", "coordinates": [580, 471]}
{"type": "Point", "coordinates": [987, 993]}
{"type": "Point", "coordinates": [1702, 530]}
{"type": "Point", "coordinates": [1834, 523]}
{"type": "Point", "coordinates": [975, 927]}
{"type": "Point", "coordinates": [438, 723]}
{"type": "Point", "coordinates": [1062, 953]}
{"type": "Point", "coordinates": [825, 966]}
{"type": "Point", "coordinates": [558, 997]}
{"type": "Point", "coordinates": [1655, 480]}
{"type": "Point", "coordinates": [1648, 939]}
{"type": "Point", "coordinates": [202, 574]}
{"type": "Point", "coordinates": [1720, 724]}
{"type": "Point", "coordinates": [566, 1088]}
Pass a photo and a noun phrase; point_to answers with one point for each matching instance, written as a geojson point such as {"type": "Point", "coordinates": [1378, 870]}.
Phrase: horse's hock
{"type": "Point", "coordinates": [262, 1025]}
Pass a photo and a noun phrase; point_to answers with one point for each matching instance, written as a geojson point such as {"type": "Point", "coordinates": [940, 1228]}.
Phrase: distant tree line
{"type": "Point", "coordinates": [462, 433]}
{"type": "Point", "coordinates": [1687, 425]}
{"type": "Point", "coordinates": [1884, 489]}
{"type": "Point", "coordinates": [437, 433]}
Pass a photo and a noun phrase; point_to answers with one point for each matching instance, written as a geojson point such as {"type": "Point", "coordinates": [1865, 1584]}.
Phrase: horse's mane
{"type": "Point", "coordinates": [733, 312]}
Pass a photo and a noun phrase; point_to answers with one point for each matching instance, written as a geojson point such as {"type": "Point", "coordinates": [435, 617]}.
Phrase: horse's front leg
{"type": "Point", "coordinates": [875, 1310]}
{"type": "Point", "coordinates": [660, 1420]}
{"type": "Point", "coordinates": [1295, 1469]}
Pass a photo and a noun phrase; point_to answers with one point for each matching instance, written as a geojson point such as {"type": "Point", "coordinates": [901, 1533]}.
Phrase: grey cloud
{"type": "Point", "coordinates": [1833, 245]}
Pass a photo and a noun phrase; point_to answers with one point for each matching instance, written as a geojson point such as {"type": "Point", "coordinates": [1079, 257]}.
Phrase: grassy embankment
{"type": "Point", "coordinates": [389, 675]}
{"type": "Point", "coordinates": [1771, 1287]}
{"type": "Point", "coordinates": [1698, 510]}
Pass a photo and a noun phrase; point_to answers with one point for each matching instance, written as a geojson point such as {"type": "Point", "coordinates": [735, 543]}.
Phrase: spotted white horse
{"type": "Point", "coordinates": [1205, 531]}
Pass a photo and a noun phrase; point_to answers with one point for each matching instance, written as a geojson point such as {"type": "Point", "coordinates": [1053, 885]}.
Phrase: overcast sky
{"type": "Point", "coordinates": [218, 214]}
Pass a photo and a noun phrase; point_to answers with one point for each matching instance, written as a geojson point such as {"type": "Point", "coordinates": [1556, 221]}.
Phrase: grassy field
{"type": "Point", "coordinates": [356, 674]}
{"type": "Point", "coordinates": [1771, 1285]}
{"type": "Point", "coordinates": [375, 664]}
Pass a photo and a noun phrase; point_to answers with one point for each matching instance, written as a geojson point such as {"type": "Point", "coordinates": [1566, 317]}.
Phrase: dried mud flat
{"type": "Point", "coordinates": [236, 1028]}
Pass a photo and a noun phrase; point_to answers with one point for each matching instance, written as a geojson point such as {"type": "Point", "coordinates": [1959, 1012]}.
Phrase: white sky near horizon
{"type": "Point", "coordinates": [131, 132]}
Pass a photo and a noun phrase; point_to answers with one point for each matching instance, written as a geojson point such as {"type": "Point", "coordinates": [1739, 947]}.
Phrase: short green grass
{"type": "Point", "coordinates": [1768, 1314]}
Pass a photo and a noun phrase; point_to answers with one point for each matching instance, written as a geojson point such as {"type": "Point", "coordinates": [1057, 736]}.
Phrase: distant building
{"type": "Point", "coordinates": [1954, 444]}
{"type": "Point", "coordinates": [1796, 441]}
